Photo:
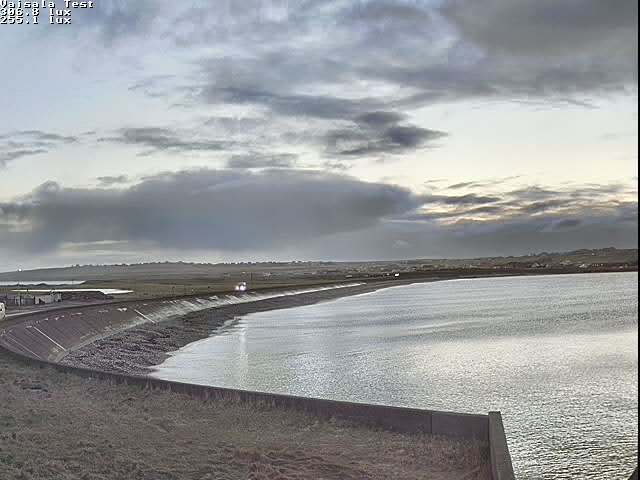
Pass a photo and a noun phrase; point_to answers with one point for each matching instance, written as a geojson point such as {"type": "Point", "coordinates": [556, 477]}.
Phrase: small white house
{"type": "Point", "coordinates": [45, 299]}
{"type": "Point", "coordinates": [3, 312]}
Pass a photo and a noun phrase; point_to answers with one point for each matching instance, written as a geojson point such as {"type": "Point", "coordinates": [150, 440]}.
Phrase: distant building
{"type": "Point", "coordinates": [16, 300]}
{"type": "Point", "coordinates": [47, 298]}
{"type": "Point", "coordinates": [27, 299]}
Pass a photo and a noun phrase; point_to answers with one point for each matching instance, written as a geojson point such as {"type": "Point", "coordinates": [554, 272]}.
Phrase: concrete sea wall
{"type": "Point", "coordinates": [50, 335]}
{"type": "Point", "coordinates": [41, 339]}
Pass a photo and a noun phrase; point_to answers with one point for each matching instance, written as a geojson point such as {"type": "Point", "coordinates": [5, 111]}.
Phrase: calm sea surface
{"type": "Point", "coordinates": [558, 355]}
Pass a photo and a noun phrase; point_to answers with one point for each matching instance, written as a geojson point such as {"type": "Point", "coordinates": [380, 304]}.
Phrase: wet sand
{"type": "Point", "coordinates": [135, 350]}
{"type": "Point", "coordinates": [63, 427]}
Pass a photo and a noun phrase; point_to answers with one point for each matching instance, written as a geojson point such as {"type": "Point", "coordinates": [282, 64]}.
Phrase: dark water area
{"type": "Point", "coordinates": [558, 355]}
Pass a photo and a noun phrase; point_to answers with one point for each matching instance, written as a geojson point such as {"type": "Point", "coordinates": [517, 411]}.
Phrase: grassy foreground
{"type": "Point", "coordinates": [59, 426]}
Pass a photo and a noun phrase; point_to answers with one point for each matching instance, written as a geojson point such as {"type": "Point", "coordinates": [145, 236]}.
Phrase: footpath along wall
{"type": "Point", "coordinates": [42, 339]}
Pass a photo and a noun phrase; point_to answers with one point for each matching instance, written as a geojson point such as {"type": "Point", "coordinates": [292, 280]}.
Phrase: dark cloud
{"type": "Point", "coordinates": [548, 48]}
{"type": "Point", "coordinates": [315, 106]}
{"type": "Point", "coordinates": [483, 184]}
{"type": "Point", "coordinates": [470, 199]}
{"type": "Point", "coordinates": [109, 181]}
{"type": "Point", "coordinates": [343, 78]}
{"type": "Point", "coordinates": [380, 119]}
{"type": "Point", "coordinates": [164, 139]}
{"type": "Point", "coordinates": [408, 136]}
{"type": "Point", "coordinates": [518, 50]}
{"type": "Point", "coordinates": [460, 185]}
{"type": "Point", "coordinates": [310, 213]}
{"type": "Point", "coordinates": [8, 155]}
{"type": "Point", "coordinates": [567, 223]}
{"type": "Point", "coordinates": [202, 209]}
{"type": "Point", "coordinates": [27, 143]}
{"type": "Point", "coordinates": [458, 213]}
{"type": "Point", "coordinates": [348, 70]}
{"type": "Point", "coordinates": [42, 137]}
{"type": "Point", "coordinates": [258, 160]}
{"type": "Point", "coordinates": [534, 193]}
{"type": "Point", "coordinates": [546, 27]}
{"type": "Point", "coordinates": [387, 13]}
{"type": "Point", "coordinates": [535, 198]}
{"type": "Point", "coordinates": [505, 48]}
{"type": "Point", "coordinates": [440, 51]}
{"type": "Point", "coordinates": [486, 237]}
{"type": "Point", "coordinates": [629, 212]}
{"type": "Point", "coordinates": [36, 137]}
{"type": "Point", "coordinates": [559, 208]}
{"type": "Point", "coordinates": [393, 140]}
{"type": "Point", "coordinates": [538, 207]}
{"type": "Point", "coordinates": [379, 133]}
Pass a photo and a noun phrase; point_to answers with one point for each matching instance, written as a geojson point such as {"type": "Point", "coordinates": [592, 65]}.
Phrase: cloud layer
{"type": "Point", "coordinates": [27, 143]}
{"type": "Point", "coordinates": [264, 93]}
{"type": "Point", "coordinates": [311, 213]}
{"type": "Point", "coordinates": [202, 209]}
{"type": "Point", "coordinates": [342, 78]}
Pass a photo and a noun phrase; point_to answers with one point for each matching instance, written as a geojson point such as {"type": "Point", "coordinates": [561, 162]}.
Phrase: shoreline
{"type": "Point", "coordinates": [199, 322]}
{"type": "Point", "coordinates": [445, 445]}
{"type": "Point", "coordinates": [137, 350]}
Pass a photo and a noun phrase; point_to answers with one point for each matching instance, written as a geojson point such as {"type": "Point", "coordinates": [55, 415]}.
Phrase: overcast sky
{"type": "Point", "coordinates": [335, 129]}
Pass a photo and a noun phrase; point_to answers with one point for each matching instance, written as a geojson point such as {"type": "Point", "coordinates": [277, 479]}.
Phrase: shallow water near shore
{"type": "Point", "coordinates": [558, 355]}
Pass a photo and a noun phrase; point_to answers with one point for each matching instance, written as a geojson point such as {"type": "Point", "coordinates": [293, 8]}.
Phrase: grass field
{"type": "Point", "coordinates": [56, 426]}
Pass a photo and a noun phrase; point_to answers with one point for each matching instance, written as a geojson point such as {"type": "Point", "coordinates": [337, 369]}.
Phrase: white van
{"type": "Point", "coordinates": [3, 312]}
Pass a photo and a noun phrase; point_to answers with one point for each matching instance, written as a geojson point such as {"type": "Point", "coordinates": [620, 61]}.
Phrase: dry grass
{"type": "Point", "coordinates": [58, 426]}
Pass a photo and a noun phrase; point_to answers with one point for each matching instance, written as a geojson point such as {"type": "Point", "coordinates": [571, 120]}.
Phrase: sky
{"type": "Point", "coordinates": [318, 130]}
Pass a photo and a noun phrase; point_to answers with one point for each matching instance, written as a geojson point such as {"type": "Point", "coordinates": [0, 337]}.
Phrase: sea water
{"type": "Point", "coordinates": [558, 355]}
